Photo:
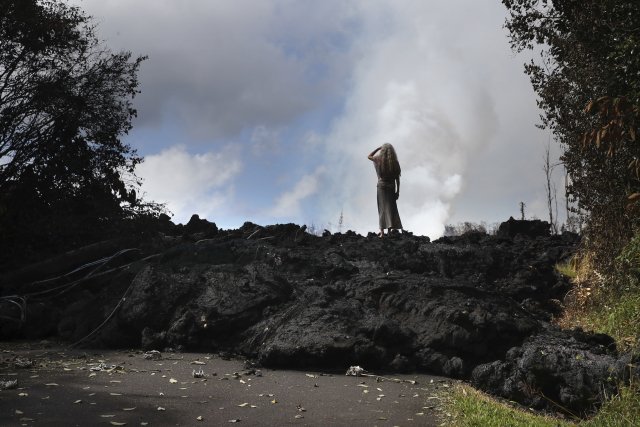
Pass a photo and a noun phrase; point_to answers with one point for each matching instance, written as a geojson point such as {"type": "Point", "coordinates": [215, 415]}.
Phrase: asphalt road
{"type": "Point", "coordinates": [58, 387]}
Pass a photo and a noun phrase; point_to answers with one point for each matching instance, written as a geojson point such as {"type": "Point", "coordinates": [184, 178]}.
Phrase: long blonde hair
{"type": "Point", "coordinates": [388, 161]}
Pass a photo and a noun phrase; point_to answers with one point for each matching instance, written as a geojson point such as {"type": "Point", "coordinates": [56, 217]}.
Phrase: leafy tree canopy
{"type": "Point", "coordinates": [588, 83]}
{"type": "Point", "coordinates": [66, 176]}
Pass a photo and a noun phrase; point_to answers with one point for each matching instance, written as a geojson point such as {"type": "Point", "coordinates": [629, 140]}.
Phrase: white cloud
{"type": "Point", "coordinates": [222, 67]}
{"type": "Point", "coordinates": [288, 204]}
{"type": "Point", "coordinates": [190, 183]}
{"type": "Point", "coordinates": [298, 85]}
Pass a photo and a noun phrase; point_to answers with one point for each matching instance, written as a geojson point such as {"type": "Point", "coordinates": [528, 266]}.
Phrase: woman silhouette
{"type": "Point", "coordinates": [388, 171]}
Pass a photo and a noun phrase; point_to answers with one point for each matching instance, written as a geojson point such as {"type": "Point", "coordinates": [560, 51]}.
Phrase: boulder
{"type": "Point", "coordinates": [566, 369]}
{"type": "Point", "coordinates": [529, 228]}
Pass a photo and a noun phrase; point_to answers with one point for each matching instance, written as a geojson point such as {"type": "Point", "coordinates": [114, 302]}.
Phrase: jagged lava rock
{"type": "Point", "coordinates": [473, 306]}
{"type": "Point", "coordinates": [566, 369]}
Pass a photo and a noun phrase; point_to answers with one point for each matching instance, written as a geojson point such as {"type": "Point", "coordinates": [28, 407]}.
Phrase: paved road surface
{"type": "Point", "coordinates": [107, 388]}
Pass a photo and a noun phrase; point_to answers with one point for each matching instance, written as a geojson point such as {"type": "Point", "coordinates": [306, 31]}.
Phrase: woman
{"type": "Point", "coordinates": [388, 171]}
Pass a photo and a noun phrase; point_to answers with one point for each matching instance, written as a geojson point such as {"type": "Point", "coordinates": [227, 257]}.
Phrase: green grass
{"type": "Point", "coordinates": [616, 316]}
{"type": "Point", "coordinates": [471, 408]}
{"type": "Point", "coordinates": [567, 269]}
{"type": "Point", "coordinates": [621, 410]}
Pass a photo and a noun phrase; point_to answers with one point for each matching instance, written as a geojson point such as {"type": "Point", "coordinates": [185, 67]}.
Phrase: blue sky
{"type": "Point", "coordinates": [265, 110]}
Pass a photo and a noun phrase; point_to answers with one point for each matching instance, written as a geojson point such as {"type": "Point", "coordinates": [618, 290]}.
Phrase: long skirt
{"type": "Point", "coordinates": [387, 207]}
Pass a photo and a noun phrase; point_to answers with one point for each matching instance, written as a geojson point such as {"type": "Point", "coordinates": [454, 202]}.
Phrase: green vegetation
{"type": "Point", "coordinates": [567, 269]}
{"type": "Point", "coordinates": [609, 305]}
{"type": "Point", "coordinates": [471, 408]}
{"type": "Point", "coordinates": [66, 175]}
{"type": "Point", "coordinates": [616, 315]}
{"type": "Point", "coordinates": [586, 79]}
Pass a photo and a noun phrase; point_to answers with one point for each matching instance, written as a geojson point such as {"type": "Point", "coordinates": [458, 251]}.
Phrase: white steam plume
{"type": "Point", "coordinates": [417, 87]}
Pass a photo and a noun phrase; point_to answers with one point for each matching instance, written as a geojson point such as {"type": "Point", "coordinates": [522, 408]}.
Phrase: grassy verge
{"type": "Point", "coordinates": [607, 305]}
{"type": "Point", "coordinates": [471, 408]}
{"type": "Point", "coordinates": [616, 315]}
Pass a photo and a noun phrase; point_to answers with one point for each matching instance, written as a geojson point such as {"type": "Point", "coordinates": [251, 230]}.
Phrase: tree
{"type": "Point", "coordinates": [587, 81]}
{"type": "Point", "coordinates": [550, 188]}
{"type": "Point", "coordinates": [66, 176]}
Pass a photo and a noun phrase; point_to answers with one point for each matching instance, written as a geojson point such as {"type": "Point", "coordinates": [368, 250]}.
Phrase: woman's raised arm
{"type": "Point", "coordinates": [370, 157]}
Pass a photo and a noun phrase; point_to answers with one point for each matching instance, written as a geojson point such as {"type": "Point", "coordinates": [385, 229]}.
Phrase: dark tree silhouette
{"type": "Point", "coordinates": [66, 177]}
{"type": "Point", "coordinates": [588, 84]}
